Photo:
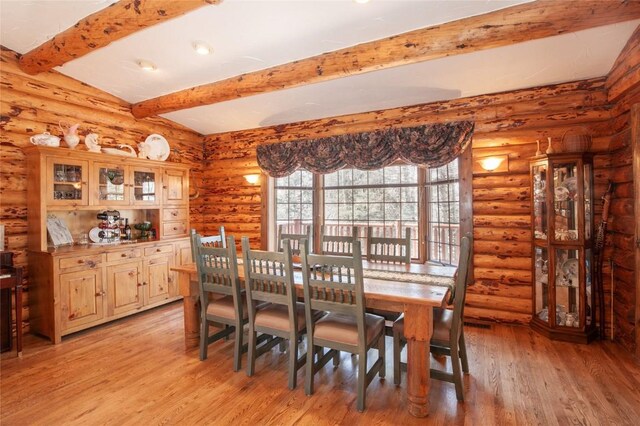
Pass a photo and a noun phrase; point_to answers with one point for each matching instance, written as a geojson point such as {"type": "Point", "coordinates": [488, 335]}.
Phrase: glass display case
{"type": "Point", "coordinates": [562, 228]}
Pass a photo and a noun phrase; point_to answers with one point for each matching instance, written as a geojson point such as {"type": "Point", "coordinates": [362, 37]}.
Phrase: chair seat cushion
{"type": "Point", "coordinates": [442, 322]}
{"type": "Point", "coordinates": [277, 316]}
{"type": "Point", "coordinates": [224, 308]}
{"type": "Point", "coordinates": [344, 329]}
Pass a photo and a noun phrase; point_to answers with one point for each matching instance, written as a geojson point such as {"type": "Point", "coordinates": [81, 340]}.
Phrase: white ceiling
{"type": "Point", "coordinates": [252, 35]}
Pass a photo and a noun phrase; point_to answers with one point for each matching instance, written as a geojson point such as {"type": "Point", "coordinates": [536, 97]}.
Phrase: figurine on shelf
{"type": "Point", "coordinates": [550, 149]}
{"type": "Point", "coordinates": [70, 134]}
{"type": "Point", "coordinates": [122, 152]}
{"type": "Point", "coordinates": [91, 142]}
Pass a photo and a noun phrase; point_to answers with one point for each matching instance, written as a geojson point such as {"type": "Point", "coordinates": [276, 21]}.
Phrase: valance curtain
{"type": "Point", "coordinates": [430, 145]}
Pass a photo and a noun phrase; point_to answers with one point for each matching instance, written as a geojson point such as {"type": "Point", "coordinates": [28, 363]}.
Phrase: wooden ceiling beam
{"type": "Point", "coordinates": [530, 21]}
{"type": "Point", "coordinates": [103, 27]}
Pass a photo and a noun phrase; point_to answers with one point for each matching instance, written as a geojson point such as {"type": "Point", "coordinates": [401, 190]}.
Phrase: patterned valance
{"type": "Point", "coordinates": [430, 145]}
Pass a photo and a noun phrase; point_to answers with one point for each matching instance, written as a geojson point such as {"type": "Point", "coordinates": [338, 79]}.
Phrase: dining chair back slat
{"type": "Point", "coordinates": [338, 245]}
{"type": "Point", "coordinates": [295, 240]}
{"type": "Point", "coordinates": [268, 275]}
{"type": "Point", "coordinates": [391, 250]}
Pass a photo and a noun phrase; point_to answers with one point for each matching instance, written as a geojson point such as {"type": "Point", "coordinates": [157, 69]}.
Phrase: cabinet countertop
{"type": "Point", "coordinates": [104, 248]}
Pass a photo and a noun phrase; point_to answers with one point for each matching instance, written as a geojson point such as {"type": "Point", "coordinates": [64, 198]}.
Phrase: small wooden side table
{"type": "Point", "coordinates": [11, 277]}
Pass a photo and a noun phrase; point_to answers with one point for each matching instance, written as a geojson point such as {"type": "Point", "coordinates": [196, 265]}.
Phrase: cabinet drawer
{"type": "Point", "coordinates": [175, 214]}
{"type": "Point", "coordinates": [158, 249]}
{"type": "Point", "coordinates": [90, 261]}
{"type": "Point", "coordinates": [170, 229]}
{"type": "Point", "coordinates": [125, 254]}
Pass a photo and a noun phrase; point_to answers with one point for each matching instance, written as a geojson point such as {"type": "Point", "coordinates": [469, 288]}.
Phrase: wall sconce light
{"type": "Point", "coordinates": [495, 163]}
{"type": "Point", "coordinates": [252, 179]}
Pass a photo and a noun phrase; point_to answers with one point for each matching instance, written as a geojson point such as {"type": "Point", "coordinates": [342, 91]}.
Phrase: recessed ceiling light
{"type": "Point", "coordinates": [202, 48]}
{"type": "Point", "coordinates": [147, 65]}
{"type": "Point", "coordinates": [361, 1]}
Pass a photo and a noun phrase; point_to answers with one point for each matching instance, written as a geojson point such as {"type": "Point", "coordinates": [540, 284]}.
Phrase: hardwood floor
{"type": "Point", "coordinates": [135, 371]}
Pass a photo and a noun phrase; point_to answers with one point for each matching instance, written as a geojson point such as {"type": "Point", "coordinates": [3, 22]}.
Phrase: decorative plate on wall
{"type": "Point", "coordinates": [155, 147]}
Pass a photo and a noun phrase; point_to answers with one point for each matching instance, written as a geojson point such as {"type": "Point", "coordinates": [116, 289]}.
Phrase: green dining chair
{"type": "Point", "coordinates": [388, 250]}
{"type": "Point", "coordinates": [220, 295]}
{"type": "Point", "coordinates": [269, 281]}
{"type": "Point", "coordinates": [335, 284]}
{"type": "Point", "coordinates": [448, 329]}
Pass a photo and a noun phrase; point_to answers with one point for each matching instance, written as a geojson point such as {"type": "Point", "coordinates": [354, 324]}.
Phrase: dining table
{"type": "Point", "coordinates": [412, 289]}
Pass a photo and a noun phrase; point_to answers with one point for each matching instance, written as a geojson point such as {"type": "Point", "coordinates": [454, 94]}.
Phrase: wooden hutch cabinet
{"type": "Point", "coordinates": [72, 288]}
{"type": "Point", "coordinates": [562, 253]}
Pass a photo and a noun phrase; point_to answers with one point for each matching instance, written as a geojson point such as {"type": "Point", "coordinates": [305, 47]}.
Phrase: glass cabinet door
{"type": "Point", "coordinates": [567, 287]}
{"type": "Point", "coordinates": [565, 202]}
{"type": "Point", "coordinates": [588, 218]}
{"type": "Point", "coordinates": [110, 184]}
{"type": "Point", "coordinates": [542, 283]}
{"type": "Point", "coordinates": [146, 186]}
{"type": "Point", "coordinates": [66, 182]}
{"type": "Point", "coordinates": [540, 201]}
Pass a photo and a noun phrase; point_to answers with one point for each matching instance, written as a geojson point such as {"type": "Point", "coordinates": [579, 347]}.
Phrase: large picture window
{"type": "Point", "coordinates": [388, 199]}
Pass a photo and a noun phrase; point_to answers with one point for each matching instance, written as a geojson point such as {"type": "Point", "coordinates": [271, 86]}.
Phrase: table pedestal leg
{"type": "Point", "coordinates": [418, 327]}
{"type": "Point", "coordinates": [189, 292]}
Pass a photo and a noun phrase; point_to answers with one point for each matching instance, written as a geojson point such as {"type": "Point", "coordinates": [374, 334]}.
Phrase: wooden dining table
{"type": "Point", "coordinates": [415, 299]}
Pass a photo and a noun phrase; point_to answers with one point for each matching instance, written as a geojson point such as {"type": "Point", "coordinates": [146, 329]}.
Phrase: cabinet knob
{"type": "Point", "coordinates": [124, 255]}
{"type": "Point", "coordinates": [158, 250]}
{"type": "Point", "coordinates": [81, 261]}
{"type": "Point", "coordinates": [164, 187]}
{"type": "Point", "coordinates": [174, 213]}
{"type": "Point", "coordinates": [91, 264]}
{"type": "Point", "coordinates": [175, 229]}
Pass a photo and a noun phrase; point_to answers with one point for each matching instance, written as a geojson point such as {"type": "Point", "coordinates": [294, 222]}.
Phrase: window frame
{"type": "Point", "coordinates": [465, 177]}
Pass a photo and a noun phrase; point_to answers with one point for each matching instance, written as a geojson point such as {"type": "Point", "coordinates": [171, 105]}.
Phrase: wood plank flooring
{"type": "Point", "coordinates": [135, 371]}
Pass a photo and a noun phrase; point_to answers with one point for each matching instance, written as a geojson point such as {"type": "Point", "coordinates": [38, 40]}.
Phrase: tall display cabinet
{"type": "Point", "coordinates": [562, 253]}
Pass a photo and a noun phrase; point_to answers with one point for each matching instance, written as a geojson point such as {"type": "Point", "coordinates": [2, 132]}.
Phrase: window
{"type": "Point", "coordinates": [389, 200]}
{"type": "Point", "coordinates": [443, 220]}
{"type": "Point", "coordinates": [385, 199]}
{"type": "Point", "coordinates": [294, 201]}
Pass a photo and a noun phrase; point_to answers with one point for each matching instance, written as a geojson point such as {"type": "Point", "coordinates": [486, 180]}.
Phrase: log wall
{"type": "Point", "coordinates": [623, 86]}
{"type": "Point", "coordinates": [506, 123]}
{"type": "Point", "coordinates": [35, 104]}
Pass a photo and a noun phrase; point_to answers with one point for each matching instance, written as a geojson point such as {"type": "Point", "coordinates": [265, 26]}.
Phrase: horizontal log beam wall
{"type": "Point", "coordinates": [35, 104]}
{"type": "Point", "coordinates": [623, 86]}
{"type": "Point", "coordinates": [506, 123]}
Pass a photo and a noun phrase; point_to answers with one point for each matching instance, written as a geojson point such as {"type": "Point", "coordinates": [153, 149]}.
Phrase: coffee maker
{"type": "Point", "coordinates": [108, 230]}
